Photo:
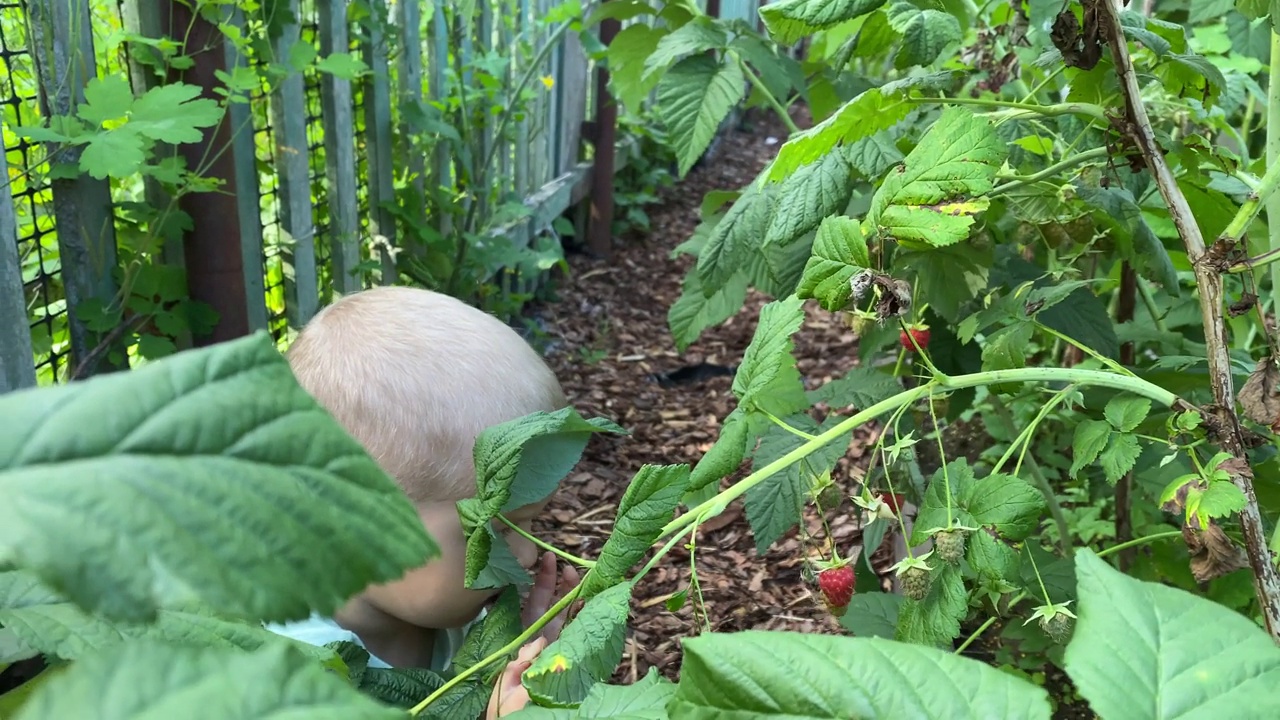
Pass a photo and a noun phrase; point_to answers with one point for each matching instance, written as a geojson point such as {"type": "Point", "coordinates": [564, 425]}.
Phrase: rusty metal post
{"type": "Point", "coordinates": [214, 262]}
{"type": "Point", "coordinates": [600, 223]}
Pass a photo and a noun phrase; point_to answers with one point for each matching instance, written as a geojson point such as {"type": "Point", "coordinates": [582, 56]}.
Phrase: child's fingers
{"type": "Point", "coordinates": [509, 694]}
{"type": "Point", "coordinates": [544, 587]}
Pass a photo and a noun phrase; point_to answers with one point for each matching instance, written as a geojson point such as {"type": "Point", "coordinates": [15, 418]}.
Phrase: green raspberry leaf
{"type": "Point", "coordinates": [626, 58]}
{"type": "Point", "coordinates": [925, 33]}
{"type": "Point", "coordinates": [694, 97]}
{"type": "Point", "coordinates": [522, 461]}
{"type": "Point", "coordinates": [839, 252]}
{"type": "Point", "coordinates": [151, 679]}
{"type": "Point", "coordinates": [195, 470]}
{"type": "Point", "coordinates": [1221, 499]}
{"type": "Point", "coordinates": [490, 562]}
{"type": "Point", "coordinates": [873, 156]}
{"type": "Point", "coordinates": [931, 199]}
{"type": "Point", "coordinates": [1091, 437]}
{"type": "Point", "coordinates": [1126, 412]}
{"type": "Point", "coordinates": [734, 238]}
{"type": "Point", "coordinates": [696, 36]}
{"type": "Point", "coordinates": [695, 311]}
{"type": "Point", "coordinates": [861, 387]}
{"type": "Point", "coordinates": [1004, 503]}
{"type": "Point", "coordinates": [868, 113]}
{"type": "Point", "coordinates": [774, 506]}
{"type": "Point", "coordinates": [873, 614]}
{"type": "Point", "coordinates": [992, 558]}
{"type": "Point", "coordinates": [1120, 456]}
{"type": "Point", "coordinates": [1184, 656]}
{"type": "Point", "coordinates": [646, 507]}
{"type": "Point", "coordinates": [501, 624]}
{"type": "Point", "coordinates": [935, 620]}
{"type": "Point", "coordinates": [767, 378]}
{"type": "Point", "coordinates": [725, 455]}
{"type": "Point", "coordinates": [809, 196]}
{"type": "Point", "coordinates": [788, 21]}
{"type": "Point", "coordinates": [400, 687]}
{"type": "Point", "coordinates": [947, 278]}
{"type": "Point", "coordinates": [587, 652]}
{"type": "Point", "coordinates": [755, 673]}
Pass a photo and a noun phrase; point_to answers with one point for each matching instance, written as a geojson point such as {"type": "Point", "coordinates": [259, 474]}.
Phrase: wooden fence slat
{"type": "Point", "coordinates": [438, 59]}
{"type": "Point", "coordinates": [573, 81]}
{"type": "Point", "coordinates": [302, 291]}
{"type": "Point", "coordinates": [378, 142]}
{"type": "Point", "coordinates": [62, 44]}
{"type": "Point", "coordinates": [244, 159]}
{"type": "Point", "coordinates": [17, 369]}
{"type": "Point", "coordinates": [410, 81]}
{"type": "Point", "coordinates": [487, 139]}
{"type": "Point", "coordinates": [339, 151]}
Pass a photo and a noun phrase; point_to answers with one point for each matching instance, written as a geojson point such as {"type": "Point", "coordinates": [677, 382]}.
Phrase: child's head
{"type": "Point", "coordinates": [415, 376]}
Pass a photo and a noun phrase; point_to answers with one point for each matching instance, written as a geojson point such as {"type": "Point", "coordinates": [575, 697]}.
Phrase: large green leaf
{"type": "Point", "coordinates": [773, 506]}
{"type": "Point", "coordinates": [758, 674]}
{"type": "Point", "coordinates": [839, 252]}
{"type": "Point", "coordinates": [41, 620]}
{"type": "Point", "coordinates": [1004, 503]}
{"type": "Point", "coordinates": [694, 97]}
{"type": "Point", "coordinates": [935, 620]}
{"type": "Point", "coordinates": [767, 378]}
{"type": "Point", "coordinates": [734, 238]}
{"type": "Point", "coordinates": [627, 55]}
{"type": "Point", "coordinates": [1144, 650]}
{"type": "Point", "coordinates": [809, 196]}
{"type": "Point", "coordinates": [645, 508]}
{"type": "Point", "coordinates": [147, 679]}
{"type": "Point", "coordinates": [863, 116]}
{"type": "Point", "coordinates": [587, 652]}
{"type": "Point", "coordinates": [198, 477]}
{"type": "Point", "coordinates": [696, 36]}
{"type": "Point", "coordinates": [925, 32]}
{"type": "Point", "coordinates": [790, 20]}
{"type": "Point", "coordinates": [725, 455]}
{"type": "Point", "coordinates": [643, 700]}
{"type": "Point", "coordinates": [696, 311]}
{"type": "Point", "coordinates": [872, 614]}
{"type": "Point", "coordinates": [932, 199]}
{"type": "Point", "coordinates": [861, 387]}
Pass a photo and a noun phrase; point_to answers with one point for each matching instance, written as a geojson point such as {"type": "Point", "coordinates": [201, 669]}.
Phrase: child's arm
{"type": "Point", "coordinates": [509, 695]}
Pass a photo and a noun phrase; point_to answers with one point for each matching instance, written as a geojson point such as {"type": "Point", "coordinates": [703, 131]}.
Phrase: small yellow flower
{"type": "Point", "coordinates": [549, 81]}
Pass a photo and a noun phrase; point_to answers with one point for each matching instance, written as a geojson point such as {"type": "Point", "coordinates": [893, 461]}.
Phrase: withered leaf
{"type": "Point", "coordinates": [1260, 394]}
{"type": "Point", "coordinates": [1213, 555]}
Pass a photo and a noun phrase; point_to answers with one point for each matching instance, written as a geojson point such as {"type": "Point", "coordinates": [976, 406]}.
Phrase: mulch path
{"type": "Point", "coordinates": [609, 336]}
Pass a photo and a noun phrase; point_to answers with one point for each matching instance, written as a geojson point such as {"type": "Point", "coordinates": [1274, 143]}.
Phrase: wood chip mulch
{"type": "Point", "coordinates": [608, 338]}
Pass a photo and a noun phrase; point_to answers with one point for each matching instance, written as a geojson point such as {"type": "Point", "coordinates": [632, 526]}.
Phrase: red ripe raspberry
{"type": "Point", "coordinates": [921, 336]}
{"type": "Point", "coordinates": [837, 587]}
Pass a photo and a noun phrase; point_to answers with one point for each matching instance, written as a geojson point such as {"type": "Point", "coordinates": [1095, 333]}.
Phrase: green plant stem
{"type": "Point", "coordinates": [987, 624]}
{"type": "Point", "coordinates": [1267, 258]}
{"type": "Point", "coordinates": [1108, 362]}
{"type": "Point", "coordinates": [1252, 206]}
{"type": "Point", "coordinates": [1138, 541]}
{"type": "Point", "coordinates": [1273, 156]}
{"type": "Point", "coordinates": [1092, 111]}
{"type": "Point", "coordinates": [546, 546]}
{"type": "Point", "coordinates": [1052, 170]}
{"type": "Point", "coordinates": [768, 97]}
{"type": "Point", "coordinates": [716, 505]}
{"type": "Point", "coordinates": [502, 652]}
{"type": "Point", "coordinates": [1149, 300]}
{"type": "Point", "coordinates": [1041, 482]}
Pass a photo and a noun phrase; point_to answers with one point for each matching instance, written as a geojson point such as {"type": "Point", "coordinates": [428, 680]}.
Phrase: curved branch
{"type": "Point", "coordinates": [1209, 279]}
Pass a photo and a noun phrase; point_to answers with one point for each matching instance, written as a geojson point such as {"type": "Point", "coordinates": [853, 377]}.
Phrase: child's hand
{"type": "Point", "coordinates": [510, 695]}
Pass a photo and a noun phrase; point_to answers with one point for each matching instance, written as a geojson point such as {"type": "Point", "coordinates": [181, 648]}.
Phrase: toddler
{"type": "Point", "coordinates": [415, 376]}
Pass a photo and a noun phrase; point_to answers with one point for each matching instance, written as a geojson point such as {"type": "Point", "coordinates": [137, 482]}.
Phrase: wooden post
{"type": "Point", "coordinates": [378, 141]}
{"type": "Point", "coordinates": [289, 122]}
{"type": "Point", "coordinates": [214, 259]}
{"type": "Point", "coordinates": [339, 151]}
{"type": "Point", "coordinates": [600, 224]}
{"type": "Point", "coordinates": [410, 78]}
{"type": "Point", "coordinates": [63, 49]}
{"type": "Point", "coordinates": [17, 369]}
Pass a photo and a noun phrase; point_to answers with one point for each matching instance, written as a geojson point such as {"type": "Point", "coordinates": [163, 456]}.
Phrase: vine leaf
{"type": "Point", "coordinates": [1091, 437]}
{"type": "Point", "coordinates": [767, 379]}
{"type": "Point", "coordinates": [626, 57]}
{"type": "Point", "coordinates": [839, 252]}
{"type": "Point", "coordinates": [1126, 412]}
{"type": "Point", "coordinates": [754, 673]}
{"type": "Point", "coordinates": [873, 614]}
{"type": "Point", "coordinates": [734, 237]}
{"type": "Point", "coordinates": [861, 387]}
{"type": "Point", "coordinates": [725, 455]}
{"type": "Point", "coordinates": [695, 311]}
{"type": "Point", "coordinates": [694, 97]}
{"type": "Point", "coordinates": [194, 471]}
{"type": "Point", "coordinates": [151, 679]}
{"type": "Point", "coordinates": [1183, 655]}
{"type": "Point", "coordinates": [643, 700]}
{"type": "Point", "coordinates": [935, 620]}
{"type": "Point", "coordinates": [870, 112]}
{"type": "Point", "coordinates": [789, 21]}
{"type": "Point", "coordinates": [587, 652]}
{"type": "Point", "coordinates": [646, 506]}
{"type": "Point", "coordinates": [696, 36]}
{"type": "Point", "coordinates": [774, 505]}
{"type": "Point", "coordinates": [931, 198]}
{"type": "Point", "coordinates": [925, 33]}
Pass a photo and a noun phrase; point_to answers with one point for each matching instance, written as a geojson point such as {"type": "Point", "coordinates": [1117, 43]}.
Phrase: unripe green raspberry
{"type": "Point", "coordinates": [1058, 627]}
{"type": "Point", "coordinates": [950, 545]}
{"type": "Point", "coordinates": [915, 582]}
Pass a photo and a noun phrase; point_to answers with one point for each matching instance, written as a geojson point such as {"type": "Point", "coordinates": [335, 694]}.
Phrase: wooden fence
{"type": "Point", "coordinates": [318, 171]}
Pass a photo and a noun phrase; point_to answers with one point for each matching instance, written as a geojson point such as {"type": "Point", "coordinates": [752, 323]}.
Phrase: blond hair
{"type": "Point", "coordinates": [415, 376]}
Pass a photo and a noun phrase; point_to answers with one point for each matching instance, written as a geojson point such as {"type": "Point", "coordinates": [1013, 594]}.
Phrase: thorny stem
{"type": "Point", "coordinates": [1041, 482]}
{"type": "Point", "coordinates": [1267, 258]}
{"type": "Point", "coordinates": [502, 652]}
{"type": "Point", "coordinates": [545, 545]}
{"type": "Point", "coordinates": [1208, 278]}
{"type": "Point", "coordinates": [1252, 206]}
{"type": "Point", "coordinates": [1273, 156]}
{"type": "Point", "coordinates": [1051, 171]}
{"type": "Point", "coordinates": [1092, 111]}
{"type": "Point", "coordinates": [717, 504]}
{"type": "Point", "coordinates": [942, 456]}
